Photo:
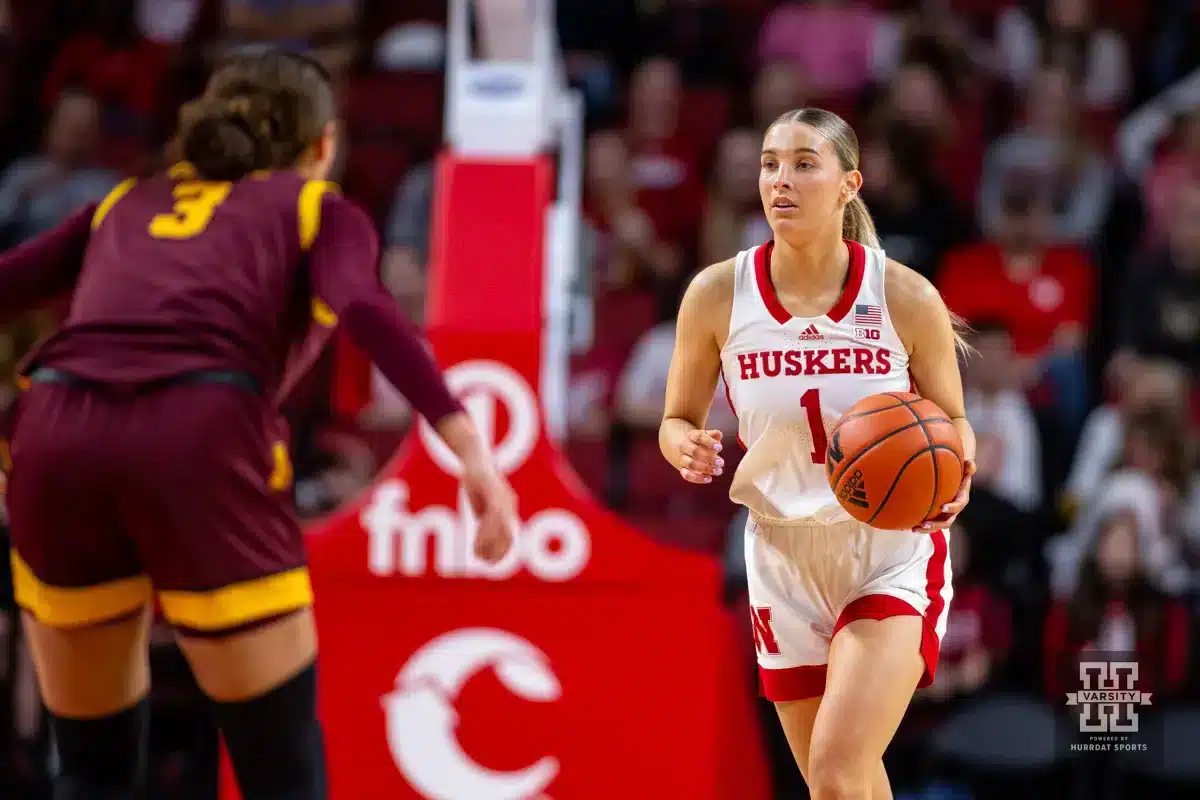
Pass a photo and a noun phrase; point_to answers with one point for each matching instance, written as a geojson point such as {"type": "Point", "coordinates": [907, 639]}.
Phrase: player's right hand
{"type": "Point", "coordinates": [701, 460]}
{"type": "Point", "coordinates": [495, 506]}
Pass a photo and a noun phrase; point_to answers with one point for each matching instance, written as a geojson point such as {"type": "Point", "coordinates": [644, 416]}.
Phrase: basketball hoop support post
{"type": "Point", "coordinates": [515, 112]}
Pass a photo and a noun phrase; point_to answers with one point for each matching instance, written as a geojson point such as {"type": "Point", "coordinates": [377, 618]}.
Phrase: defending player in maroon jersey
{"type": "Point", "coordinates": [149, 456]}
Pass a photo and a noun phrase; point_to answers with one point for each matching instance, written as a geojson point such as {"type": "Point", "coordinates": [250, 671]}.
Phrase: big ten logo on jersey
{"type": "Point", "coordinates": [871, 334]}
{"type": "Point", "coordinates": [553, 544]}
{"type": "Point", "coordinates": [815, 361]}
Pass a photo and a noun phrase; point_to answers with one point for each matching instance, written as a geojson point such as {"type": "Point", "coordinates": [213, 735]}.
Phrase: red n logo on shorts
{"type": "Point", "coordinates": [764, 637]}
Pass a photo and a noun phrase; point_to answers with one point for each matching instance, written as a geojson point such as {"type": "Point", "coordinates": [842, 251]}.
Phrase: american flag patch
{"type": "Point", "coordinates": [867, 314]}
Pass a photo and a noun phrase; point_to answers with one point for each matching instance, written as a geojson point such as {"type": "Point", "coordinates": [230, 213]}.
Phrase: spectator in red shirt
{"type": "Point", "coordinates": [1042, 292]}
{"type": "Point", "coordinates": [1116, 609]}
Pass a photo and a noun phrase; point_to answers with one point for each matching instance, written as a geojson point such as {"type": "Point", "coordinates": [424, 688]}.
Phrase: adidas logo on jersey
{"type": "Point", "coordinates": [810, 333]}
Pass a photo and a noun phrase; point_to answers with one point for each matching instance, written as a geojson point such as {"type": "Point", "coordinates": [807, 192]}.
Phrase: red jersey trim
{"type": "Point", "coordinates": [733, 408]}
{"type": "Point", "coordinates": [766, 290]}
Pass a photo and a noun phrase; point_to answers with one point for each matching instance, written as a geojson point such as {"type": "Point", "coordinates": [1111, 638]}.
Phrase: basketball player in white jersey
{"type": "Point", "coordinates": [847, 619]}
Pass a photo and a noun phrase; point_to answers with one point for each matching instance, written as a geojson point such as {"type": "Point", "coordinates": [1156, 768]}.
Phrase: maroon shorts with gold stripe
{"type": "Point", "coordinates": [179, 491]}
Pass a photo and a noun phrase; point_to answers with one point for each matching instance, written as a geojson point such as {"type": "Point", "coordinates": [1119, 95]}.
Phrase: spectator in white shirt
{"type": "Point", "coordinates": [1009, 456]}
{"type": "Point", "coordinates": [1138, 385]}
{"type": "Point", "coordinates": [642, 387]}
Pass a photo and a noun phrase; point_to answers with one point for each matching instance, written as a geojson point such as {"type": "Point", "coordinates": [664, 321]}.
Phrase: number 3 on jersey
{"type": "Point", "coordinates": [811, 400]}
{"type": "Point", "coordinates": [195, 204]}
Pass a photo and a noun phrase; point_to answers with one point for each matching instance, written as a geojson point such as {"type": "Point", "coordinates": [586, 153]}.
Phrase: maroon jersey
{"type": "Point", "coordinates": [171, 276]}
{"type": "Point", "coordinates": [182, 275]}
{"type": "Point", "coordinates": [178, 275]}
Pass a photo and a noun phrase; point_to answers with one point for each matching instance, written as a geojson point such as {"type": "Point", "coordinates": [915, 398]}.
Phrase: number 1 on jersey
{"type": "Point", "coordinates": [811, 400]}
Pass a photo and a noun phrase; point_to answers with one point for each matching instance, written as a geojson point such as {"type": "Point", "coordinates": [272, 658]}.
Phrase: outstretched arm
{"type": "Point", "coordinates": [45, 267]}
{"type": "Point", "coordinates": [343, 270]}
{"type": "Point", "coordinates": [342, 267]}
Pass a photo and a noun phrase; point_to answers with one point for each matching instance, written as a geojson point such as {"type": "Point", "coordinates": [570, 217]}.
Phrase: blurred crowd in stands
{"type": "Point", "coordinates": [1038, 160]}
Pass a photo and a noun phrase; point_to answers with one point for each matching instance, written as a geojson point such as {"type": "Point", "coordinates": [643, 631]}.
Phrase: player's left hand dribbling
{"type": "Point", "coordinates": [949, 512]}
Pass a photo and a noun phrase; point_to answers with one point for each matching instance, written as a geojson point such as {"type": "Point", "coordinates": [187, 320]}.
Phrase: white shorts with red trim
{"type": "Point", "coordinates": [806, 582]}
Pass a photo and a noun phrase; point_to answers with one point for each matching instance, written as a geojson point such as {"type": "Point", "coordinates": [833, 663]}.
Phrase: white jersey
{"type": "Point", "coordinates": [790, 380]}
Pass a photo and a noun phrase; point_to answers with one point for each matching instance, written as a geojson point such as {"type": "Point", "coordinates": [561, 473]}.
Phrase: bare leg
{"type": "Point", "coordinates": [91, 671]}
{"type": "Point", "coordinates": [248, 663]}
{"type": "Point", "coordinates": [263, 684]}
{"type": "Point", "coordinates": [874, 667]}
{"type": "Point", "coordinates": [798, 719]}
{"type": "Point", "coordinates": [94, 680]}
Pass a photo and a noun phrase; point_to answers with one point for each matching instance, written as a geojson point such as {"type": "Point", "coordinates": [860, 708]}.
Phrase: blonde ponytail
{"type": "Point", "coordinates": [857, 225]}
{"type": "Point", "coordinates": [961, 331]}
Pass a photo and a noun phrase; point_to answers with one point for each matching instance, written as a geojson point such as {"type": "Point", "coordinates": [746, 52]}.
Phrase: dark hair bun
{"type": "Point", "coordinates": [258, 112]}
{"type": "Point", "coordinates": [221, 145]}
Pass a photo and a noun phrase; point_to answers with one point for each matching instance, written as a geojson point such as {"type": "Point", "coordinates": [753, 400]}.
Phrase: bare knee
{"type": "Point", "coordinates": [838, 776]}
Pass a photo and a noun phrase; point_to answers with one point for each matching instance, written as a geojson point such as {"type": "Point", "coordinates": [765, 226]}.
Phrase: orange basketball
{"type": "Point", "coordinates": [894, 460]}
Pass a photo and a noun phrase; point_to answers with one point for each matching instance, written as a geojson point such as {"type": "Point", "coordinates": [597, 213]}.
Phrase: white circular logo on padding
{"type": "Point", "coordinates": [484, 387]}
